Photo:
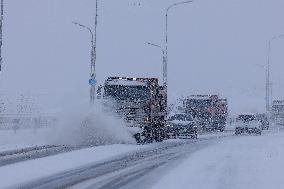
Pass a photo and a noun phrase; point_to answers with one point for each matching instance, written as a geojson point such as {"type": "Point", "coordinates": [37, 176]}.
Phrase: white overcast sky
{"type": "Point", "coordinates": [214, 47]}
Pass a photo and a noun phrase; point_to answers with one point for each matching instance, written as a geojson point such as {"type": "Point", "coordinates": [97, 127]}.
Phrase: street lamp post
{"type": "Point", "coordinates": [266, 86]}
{"type": "Point", "coordinates": [166, 48]}
{"type": "Point", "coordinates": [1, 32]}
{"type": "Point", "coordinates": [268, 74]}
{"type": "Point", "coordinates": [164, 61]}
{"type": "Point", "coordinates": [92, 80]}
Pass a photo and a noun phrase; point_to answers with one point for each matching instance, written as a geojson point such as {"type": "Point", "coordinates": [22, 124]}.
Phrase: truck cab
{"type": "Point", "coordinates": [140, 102]}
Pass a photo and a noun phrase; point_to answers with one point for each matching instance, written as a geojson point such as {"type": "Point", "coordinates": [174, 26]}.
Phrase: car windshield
{"type": "Point", "coordinates": [181, 117]}
{"type": "Point", "coordinates": [246, 118]}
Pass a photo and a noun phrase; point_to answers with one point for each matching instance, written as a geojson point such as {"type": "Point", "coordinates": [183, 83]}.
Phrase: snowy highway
{"type": "Point", "coordinates": [126, 170]}
{"type": "Point", "coordinates": [137, 94]}
{"type": "Point", "coordinates": [222, 159]}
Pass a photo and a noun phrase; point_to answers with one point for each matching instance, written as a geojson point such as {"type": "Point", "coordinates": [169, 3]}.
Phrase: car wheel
{"type": "Point", "coordinates": [237, 131]}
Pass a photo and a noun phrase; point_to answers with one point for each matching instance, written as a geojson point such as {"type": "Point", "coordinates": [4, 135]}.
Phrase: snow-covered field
{"type": "Point", "coordinates": [251, 162]}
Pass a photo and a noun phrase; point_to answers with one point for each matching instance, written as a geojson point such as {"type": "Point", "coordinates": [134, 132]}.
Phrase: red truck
{"type": "Point", "coordinates": [209, 111]}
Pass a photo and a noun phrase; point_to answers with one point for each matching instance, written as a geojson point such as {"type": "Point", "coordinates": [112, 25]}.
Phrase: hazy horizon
{"type": "Point", "coordinates": [215, 47]}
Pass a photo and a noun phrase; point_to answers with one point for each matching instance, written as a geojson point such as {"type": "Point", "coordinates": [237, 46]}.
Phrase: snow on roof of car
{"type": "Point", "coordinates": [246, 113]}
{"type": "Point", "coordinates": [278, 102]}
{"type": "Point", "coordinates": [202, 97]}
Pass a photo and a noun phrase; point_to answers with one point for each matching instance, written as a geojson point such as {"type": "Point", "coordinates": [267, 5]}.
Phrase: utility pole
{"type": "Point", "coordinates": [1, 33]}
{"type": "Point", "coordinates": [268, 74]}
{"type": "Point", "coordinates": [92, 80]}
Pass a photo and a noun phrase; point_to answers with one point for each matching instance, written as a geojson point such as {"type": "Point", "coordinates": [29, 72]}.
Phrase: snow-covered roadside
{"type": "Point", "coordinates": [252, 162]}
{"type": "Point", "coordinates": [18, 173]}
{"type": "Point", "coordinates": [10, 140]}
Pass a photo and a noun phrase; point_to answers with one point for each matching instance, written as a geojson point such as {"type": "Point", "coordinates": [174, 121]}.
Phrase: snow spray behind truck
{"type": "Point", "coordinates": [141, 102]}
{"type": "Point", "coordinates": [209, 111]}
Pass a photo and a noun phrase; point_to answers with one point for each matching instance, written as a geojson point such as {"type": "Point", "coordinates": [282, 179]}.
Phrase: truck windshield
{"type": "Point", "coordinates": [198, 108]}
{"type": "Point", "coordinates": [181, 117]}
{"type": "Point", "coordinates": [127, 93]}
{"type": "Point", "coordinates": [196, 103]}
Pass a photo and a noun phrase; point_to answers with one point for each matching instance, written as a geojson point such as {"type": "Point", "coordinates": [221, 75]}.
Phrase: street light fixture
{"type": "Point", "coordinates": [268, 91]}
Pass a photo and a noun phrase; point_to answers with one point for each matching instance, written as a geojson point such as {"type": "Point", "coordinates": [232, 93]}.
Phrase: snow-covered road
{"type": "Point", "coordinates": [251, 162]}
{"type": "Point", "coordinates": [141, 166]}
{"type": "Point", "coordinates": [219, 160]}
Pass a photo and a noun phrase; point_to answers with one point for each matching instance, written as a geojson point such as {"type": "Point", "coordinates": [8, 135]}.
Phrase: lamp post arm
{"type": "Point", "coordinates": [167, 12]}
{"type": "Point", "coordinates": [269, 45]}
{"type": "Point", "coordinates": [176, 4]}
{"type": "Point", "coordinates": [166, 45]}
{"type": "Point", "coordinates": [155, 45]}
{"type": "Point", "coordinates": [89, 29]}
{"type": "Point", "coordinates": [164, 61]}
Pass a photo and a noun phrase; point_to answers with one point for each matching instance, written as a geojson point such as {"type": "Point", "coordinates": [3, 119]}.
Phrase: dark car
{"type": "Point", "coordinates": [248, 123]}
{"type": "Point", "coordinates": [181, 126]}
{"type": "Point", "coordinates": [264, 121]}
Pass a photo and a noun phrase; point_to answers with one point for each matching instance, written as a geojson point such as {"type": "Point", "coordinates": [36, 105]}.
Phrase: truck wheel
{"type": "Point", "coordinates": [137, 137]}
{"type": "Point", "coordinates": [194, 135]}
{"type": "Point", "coordinates": [237, 132]}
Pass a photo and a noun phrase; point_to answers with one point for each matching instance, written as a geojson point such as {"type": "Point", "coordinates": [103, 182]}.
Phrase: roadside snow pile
{"type": "Point", "coordinates": [23, 138]}
{"type": "Point", "coordinates": [243, 162]}
{"type": "Point", "coordinates": [12, 176]}
{"type": "Point", "coordinates": [89, 126]}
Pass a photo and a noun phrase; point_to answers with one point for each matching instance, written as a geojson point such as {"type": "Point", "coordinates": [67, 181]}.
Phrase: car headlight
{"type": "Point", "coordinates": [169, 125]}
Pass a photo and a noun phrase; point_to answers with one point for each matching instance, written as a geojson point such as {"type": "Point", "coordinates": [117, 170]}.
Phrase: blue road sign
{"type": "Point", "coordinates": [92, 82]}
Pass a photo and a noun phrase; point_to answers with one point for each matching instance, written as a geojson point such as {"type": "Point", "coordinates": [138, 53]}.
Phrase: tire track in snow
{"type": "Point", "coordinates": [147, 159]}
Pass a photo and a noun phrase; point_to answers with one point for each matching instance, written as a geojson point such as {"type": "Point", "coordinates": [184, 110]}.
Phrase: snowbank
{"type": "Point", "coordinates": [23, 138]}
{"type": "Point", "coordinates": [15, 174]}
{"type": "Point", "coordinates": [250, 162]}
